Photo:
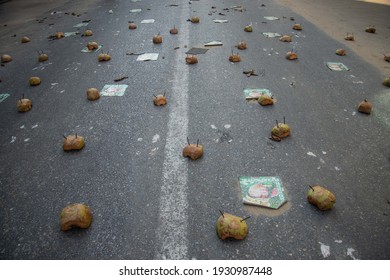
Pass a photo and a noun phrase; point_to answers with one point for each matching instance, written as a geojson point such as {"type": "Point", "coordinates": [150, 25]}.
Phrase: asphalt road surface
{"type": "Point", "coordinates": [149, 202]}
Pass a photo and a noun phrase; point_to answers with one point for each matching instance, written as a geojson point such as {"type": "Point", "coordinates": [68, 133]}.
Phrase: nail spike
{"type": "Point", "coordinates": [284, 119]}
{"type": "Point", "coordinates": [221, 214]}
{"type": "Point", "coordinates": [188, 141]}
{"type": "Point", "coordinates": [76, 135]}
{"type": "Point", "coordinates": [277, 124]}
{"type": "Point", "coordinates": [197, 142]}
{"type": "Point", "coordinates": [63, 135]}
{"type": "Point", "coordinates": [311, 188]}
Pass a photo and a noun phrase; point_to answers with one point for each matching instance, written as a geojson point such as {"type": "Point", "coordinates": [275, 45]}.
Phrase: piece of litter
{"type": "Point", "coordinates": [113, 90]}
{"type": "Point", "coordinates": [13, 139]}
{"type": "Point", "coordinates": [254, 93]}
{"type": "Point", "coordinates": [82, 24]}
{"type": "Point", "coordinates": [110, 11]}
{"type": "Point", "coordinates": [135, 10]}
{"type": "Point", "coordinates": [86, 50]}
{"type": "Point", "coordinates": [3, 96]}
{"type": "Point", "coordinates": [336, 168]}
{"type": "Point", "coordinates": [147, 57]}
{"type": "Point", "coordinates": [220, 20]}
{"type": "Point", "coordinates": [354, 113]}
{"type": "Point", "coordinates": [131, 53]}
{"type": "Point", "coordinates": [271, 18]}
{"type": "Point", "coordinates": [155, 138]}
{"type": "Point", "coordinates": [213, 43]}
{"type": "Point", "coordinates": [34, 126]}
{"type": "Point", "coordinates": [197, 51]}
{"type": "Point", "coordinates": [357, 82]}
{"type": "Point", "coordinates": [311, 154]}
{"type": "Point", "coordinates": [227, 126]}
{"type": "Point", "coordinates": [271, 34]}
{"type": "Point", "coordinates": [323, 152]}
{"type": "Point", "coordinates": [350, 253]}
{"type": "Point", "coordinates": [54, 84]}
{"type": "Point", "coordinates": [213, 126]}
{"type": "Point", "coordinates": [136, 1]}
{"type": "Point", "coordinates": [337, 66]}
{"type": "Point", "coordinates": [22, 126]}
{"type": "Point", "coordinates": [264, 191]}
{"type": "Point", "coordinates": [250, 73]}
{"type": "Point", "coordinates": [322, 161]}
{"type": "Point", "coordinates": [27, 139]}
{"type": "Point", "coordinates": [120, 79]}
{"type": "Point", "coordinates": [68, 34]}
{"type": "Point", "coordinates": [147, 21]}
{"type": "Point", "coordinates": [139, 139]}
{"type": "Point", "coordinates": [325, 250]}
{"type": "Point", "coordinates": [339, 241]}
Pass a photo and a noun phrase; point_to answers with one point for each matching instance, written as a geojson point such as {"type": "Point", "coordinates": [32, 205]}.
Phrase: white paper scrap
{"type": "Point", "coordinates": [147, 57]}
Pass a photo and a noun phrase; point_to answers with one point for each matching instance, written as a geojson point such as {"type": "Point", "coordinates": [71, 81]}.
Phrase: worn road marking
{"type": "Point", "coordinates": [172, 242]}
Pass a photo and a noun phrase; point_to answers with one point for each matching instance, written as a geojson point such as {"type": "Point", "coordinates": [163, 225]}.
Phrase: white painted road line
{"type": "Point", "coordinates": [172, 242]}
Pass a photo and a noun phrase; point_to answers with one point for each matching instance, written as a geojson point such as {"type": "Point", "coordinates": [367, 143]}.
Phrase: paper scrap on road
{"type": "Point", "coordinates": [82, 24]}
{"type": "Point", "coordinates": [197, 51]}
{"type": "Point", "coordinates": [147, 57]}
{"type": "Point", "coordinates": [271, 18]}
{"type": "Point", "coordinates": [148, 21]}
{"type": "Point", "coordinates": [3, 96]}
{"type": "Point", "coordinates": [264, 191]}
{"type": "Point", "coordinates": [254, 93]}
{"type": "Point", "coordinates": [86, 50]}
{"type": "Point", "coordinates": [220, 20]}
{"type": "Point", "coordinates": [350, 253]}
{"type": "Point", "coordinates": [337, 66]}
{"type": "Point", "coordinates": [136, 1]}
{"type": "Point", "coordinates": [213, 43]}
{"type": "Point", "coordinates": [325, 250]}
{"type": "Point", "coordinates": [135, 10]}
{"type": "Point", "coordinates": [68, 34]}
{"type": "Point", "coordinates": [113, 90]}
{"type": "Point", "coordinates": [271, 34]}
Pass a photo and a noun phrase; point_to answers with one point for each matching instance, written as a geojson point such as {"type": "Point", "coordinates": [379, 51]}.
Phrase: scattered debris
{"type": "Point", "coordinates": [5, 58]}
{"type": "Point", "coordinates": [82, 24]}
{"type": "Point", "coordinates": [4, 96]}
{"type": "Point", "coordinates": [113, 90]}
{"type": "Point", "coordinates": [132, 26]}
{"type": "Point", "coordinates": [24, 105]}
{"type": "Point", "coordinates": [93, 94]}
{"type": "Point", "coordinates": [337, 66]}
{"type": "Point", "coordinates": [325, 250]}
{"type": "Point", "coordinates": [87, 33]}
{"type": "Point", "coordinates": [110, 12]}
{"type": "Point", "coordinates": [157, 39]}
{"type": "Point", "coordinates": [73, 142]}
{"type": "Point", "coordinates": [25, 39]}
{"type": "Point", "coordinates": [193, 151]}
{"type": "Point", "coordinates": [386, 82]}
{"type": "Point", "coordinates": [121, 79]}
{"type": "Point", "coordinates": [159, 100]}
{"type": "Point", "coordinates": [341, 52]}
{"type": "Point", "coordinates": [242, 45]}
{"type": "Point", "coordinates": [248, 28]}
{"type": "Point", "coordinates": [131, 53]}
{"type": "Point", "coordinates": [195, 19]}
{"type": "Point", "coordinates": [350, 253]}
{"type": "Point", "coordinates": [234, 57]}
{"type": "Point", "coordinates": [230, 226]}
{"type": "Point", "coordinates": [365, 107]}
{"type": "Point", "coordinates": [349, 37]}
{"type": "Point", "coordinates": [213, 43]}
{"type": "Point", "coordinates": [148, 21]}
{"type": "Point", "coordinates": [265, 191]}
{"type": "Point", "coordinates": [75, 216]}
{"type": "Point", "coordinates": [371, 29]}
{"type": "Point", "coordinates": [291, 55]}
{"type": "Point", "coordinates": [297, 26]}
{"type": "Point", "coordinates": [280, 131]}
{"type": "Point", "coordinates": [147, 57]}
{"type": "Point", "coordinates": [321, 197]}
{"type": "Point", "coordinates": [13, 139]}
{"type": "Point", "coordinates": [271, 34]}
{"type": "Point", "coordinates": [197, 51]}
{"type": "Point", "coordinates": [220, 21]}
{"type": "Point", "coordinates": [174, 30]}
{"type": "Point", "coordinates": [250, 72]}
{"type": "Point", "coordinates": [191, 59]}
{"type": "Point", "coordinates": [286, 38]}
{"type": "Point", "coordinates": [271, 18]}
{"type": "Point", "coordinates": [69, 34]}
{"type": "Point", "coordinates": [135, 10]}
{"type": "Point", "coordinates": [255, 93]}
{"type": "Point", "coordinates": [34, 81]}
